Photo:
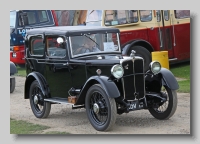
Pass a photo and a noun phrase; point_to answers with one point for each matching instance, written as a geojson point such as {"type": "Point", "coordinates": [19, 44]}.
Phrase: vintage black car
{"type": "Point", "coordinates": [84, 67]}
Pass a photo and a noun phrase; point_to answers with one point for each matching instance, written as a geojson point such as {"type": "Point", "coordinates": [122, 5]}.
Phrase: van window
{"type": "Point", "coordinates": [42, 16]}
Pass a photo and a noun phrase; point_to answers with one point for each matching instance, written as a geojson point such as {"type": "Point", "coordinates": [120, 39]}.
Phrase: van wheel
{"type": "Point", "coordinates": [12, 85]}
{"type": "Point", "coordinates": [101, 109]}
{"type": "Point", "coordinates": [144, 53]}
{"type": "Point", "coordinates": [40, 108]}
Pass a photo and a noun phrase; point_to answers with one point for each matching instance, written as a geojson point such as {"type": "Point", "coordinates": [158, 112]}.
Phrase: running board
{"type": "Point", "coordinates": [63, 101]}
{"type": "Point", "coordinates": [58, 100]}
{"type": "Point", "coordinates": [173, 59]}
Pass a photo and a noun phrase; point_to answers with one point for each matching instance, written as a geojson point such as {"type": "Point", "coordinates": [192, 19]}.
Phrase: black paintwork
{"type": "Point", "coordinates": [169, 79]}
{"type": "Point", "coordinates": [60, 77]}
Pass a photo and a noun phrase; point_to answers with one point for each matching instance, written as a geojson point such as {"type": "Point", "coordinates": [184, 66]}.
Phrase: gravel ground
{"type": "Point", "coordinates": [63, 118]}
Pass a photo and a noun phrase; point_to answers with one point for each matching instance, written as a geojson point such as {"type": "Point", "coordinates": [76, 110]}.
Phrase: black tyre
{"type": "Point", "coordinates": [12, 85]}
{"type": "Point", "coordinates": [40, 108]}
{"type": "Point", "coordinates": [168, 108]}
{"type": "Point", "coordinates": [101, 109]}
{"type": "Point", "coordinates": [144, 53]}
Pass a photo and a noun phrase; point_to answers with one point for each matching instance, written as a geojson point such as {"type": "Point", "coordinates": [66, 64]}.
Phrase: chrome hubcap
{"type": "Point", "coordinates": [35, 99]}
{"type": "Point", "coordinates": [96, 108]}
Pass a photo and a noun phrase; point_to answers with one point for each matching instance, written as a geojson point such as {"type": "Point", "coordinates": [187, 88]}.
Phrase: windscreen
{"type": "Point", "coordinates": [95, 43]}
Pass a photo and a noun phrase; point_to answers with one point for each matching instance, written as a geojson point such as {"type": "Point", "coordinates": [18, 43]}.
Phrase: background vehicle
{"type": "Point", "coordinates": [13, 70]}
{"type": "Point", "coordinates": [32, 19]}
{"type": "Point", "coordinates": [145, 31]}
{"type": "Point", "coordinates": [102, 81]}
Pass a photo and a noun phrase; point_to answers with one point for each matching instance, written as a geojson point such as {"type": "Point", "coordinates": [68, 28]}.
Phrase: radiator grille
{"type": "Point", "coordinates": [133, 83]}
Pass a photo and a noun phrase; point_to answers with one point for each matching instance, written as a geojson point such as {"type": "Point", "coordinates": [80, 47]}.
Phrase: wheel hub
{"type": "Point", "coordinates": [35, 99]}
{"type": "Point", "coordinates": [96, 108]}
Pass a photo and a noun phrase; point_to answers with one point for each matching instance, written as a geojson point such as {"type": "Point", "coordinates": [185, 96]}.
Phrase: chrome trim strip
{"type": "Point", "coordinates": [173, 59]}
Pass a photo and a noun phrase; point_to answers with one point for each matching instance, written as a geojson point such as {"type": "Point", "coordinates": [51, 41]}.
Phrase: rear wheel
{"type": "Point", "coordinates": [101, 109]}
{"type": "Point", "coordinates": [168, 108]}
{"type": "Point", "coordinates": [144, 53]}
{"type": "Point", "coordinates": [40, 108]}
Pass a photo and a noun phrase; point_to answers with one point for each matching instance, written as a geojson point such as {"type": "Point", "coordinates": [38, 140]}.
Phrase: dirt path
{"type": "Point", "coordinates": [63, 118]}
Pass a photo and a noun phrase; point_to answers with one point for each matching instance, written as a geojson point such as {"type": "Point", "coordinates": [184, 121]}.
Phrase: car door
{"type": "Point", "coordinates": [57, 72]}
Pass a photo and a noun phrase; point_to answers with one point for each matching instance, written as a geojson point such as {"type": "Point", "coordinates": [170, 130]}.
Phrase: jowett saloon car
{"type": "Point", "coordinates": [83, 66]}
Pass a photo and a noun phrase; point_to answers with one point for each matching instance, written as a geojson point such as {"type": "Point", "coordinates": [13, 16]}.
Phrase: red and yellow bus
{"type": "Point", "coordinates": [145, 31]}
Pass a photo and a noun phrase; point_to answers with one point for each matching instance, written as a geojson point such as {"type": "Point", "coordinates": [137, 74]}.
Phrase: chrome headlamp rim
{"type": "Point", "coordinates": [151, 66]}
{"type": "Point", "coordinates": [113, 73]}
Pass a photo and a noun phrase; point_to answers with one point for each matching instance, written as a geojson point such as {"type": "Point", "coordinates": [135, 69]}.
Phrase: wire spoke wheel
{"type": "Point", "coordinates": [101, 109]}
{"type": "Point", "coordinates": [167, 109]}
{"type": "Point", "coordinates": [98, 108]}
{"type": "Point", "coordinates": [40, 108]}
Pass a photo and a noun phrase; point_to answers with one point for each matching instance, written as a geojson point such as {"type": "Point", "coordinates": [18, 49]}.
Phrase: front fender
{"type": "Point", "coordinates": [169, 79]}
{"type": "Point", "coordinates": [108, 85]}
{"type": "Point", "coordinates": [126, 47]}
{"type": "Point", "coordinates": [41, 80]}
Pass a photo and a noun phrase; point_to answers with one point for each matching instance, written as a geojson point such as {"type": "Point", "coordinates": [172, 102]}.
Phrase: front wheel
{"type": "Point", "coordinates": [168, 108]}
{"type": "Point", "coordinates": [40, 108]}
{"type": "Point", "coordinates": [101, 109]}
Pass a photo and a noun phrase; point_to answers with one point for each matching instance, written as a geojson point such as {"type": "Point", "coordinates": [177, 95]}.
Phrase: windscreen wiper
{"type": "Point", "coordinates": [91, 39]}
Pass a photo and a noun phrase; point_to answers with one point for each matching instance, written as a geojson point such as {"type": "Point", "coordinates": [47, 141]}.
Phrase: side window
{"type": "Point", "coordinates": [145, 15]}
{"type": "Point", "coordinates": [54, 49]}
{"type": "Point", "coordinates": [42, 16]}
{"type": "Point", "coordinates": [31, 18]}
{"type": "Point", "coordinates": [166, 15]}
{"type": "Point", "coordinates": [181, 14]}
{"type": "Point", "coordinates": [37, 45]}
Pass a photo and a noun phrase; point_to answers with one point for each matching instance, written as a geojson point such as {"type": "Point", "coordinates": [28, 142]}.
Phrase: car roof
{"type": "Point", "coordinates": [71, 30]}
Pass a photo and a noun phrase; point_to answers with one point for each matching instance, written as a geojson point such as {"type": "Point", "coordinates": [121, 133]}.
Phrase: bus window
{"type": "Point", "coordinates": [145, 15]}
{"type": "Point", "coordinates": [120, 17]}
{"type": "Point", "coordinates": [181, 14]}
{"type": "Point", "coordinates": [42, 16]}
{"type": "Point", "coordinates": [166, 15]}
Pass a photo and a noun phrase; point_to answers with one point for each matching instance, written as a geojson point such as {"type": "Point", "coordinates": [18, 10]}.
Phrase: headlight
{"type": "Point", "coordinates": [117, 71]}
{"type": "Point", "coordinates": [155, 67]}
{"type": "Point", "coordinates": [14, 54]}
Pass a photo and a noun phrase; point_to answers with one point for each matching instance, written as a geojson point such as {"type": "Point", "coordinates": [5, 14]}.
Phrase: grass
{"type": "Point", "coordinates": [21, 71]}
{"type": "Point", "coordinates": [182, 71]}
{"type": "Point", "coordinates": [23, 127]}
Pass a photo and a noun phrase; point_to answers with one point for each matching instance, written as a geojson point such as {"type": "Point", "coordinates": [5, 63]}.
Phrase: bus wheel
{"type": "Point", "coordinates": [144, 53]}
